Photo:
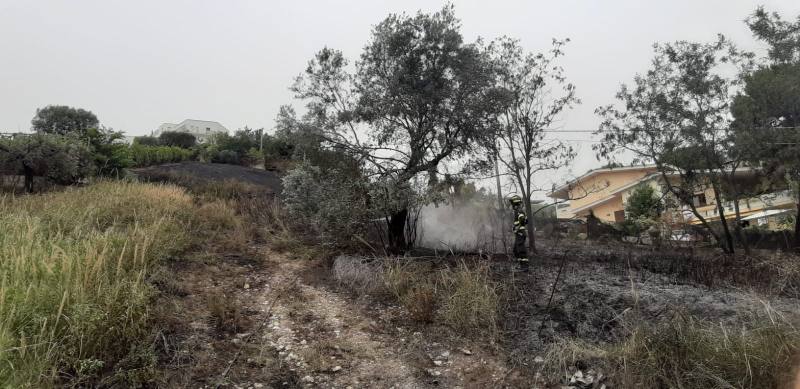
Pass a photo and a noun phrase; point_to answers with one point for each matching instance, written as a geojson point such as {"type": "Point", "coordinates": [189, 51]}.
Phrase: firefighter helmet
{"type": "Point", "coordinates": [515, 200]}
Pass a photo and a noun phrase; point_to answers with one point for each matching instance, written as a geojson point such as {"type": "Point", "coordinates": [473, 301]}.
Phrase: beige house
{"type": "Point", "coordinates": [604, 192]}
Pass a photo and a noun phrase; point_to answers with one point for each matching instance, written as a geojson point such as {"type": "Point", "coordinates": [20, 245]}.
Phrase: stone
{"type": "Point", "coordinates": [582, 236]}
{"type": "Point", "coordinates": [446, 354]}
{"type": "Point", "coordinates": [466, 351]}
{"type": "Point", "coordinates": [308, 378]}
{"type": "Point", "coordinates": [337, 368]}
{"type": "Point", "coordinates": [246, 285]}
{"type": "Point", "coordinates": [437, 363]}
{"type": "Point", "coordinates": [538, 360]}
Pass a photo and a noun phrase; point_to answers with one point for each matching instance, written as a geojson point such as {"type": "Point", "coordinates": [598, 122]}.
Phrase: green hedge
{"type": "Point", "coordinates": [153, 155]}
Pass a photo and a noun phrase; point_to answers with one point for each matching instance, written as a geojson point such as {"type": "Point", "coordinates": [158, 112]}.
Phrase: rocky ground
{"type": "Point", "coordinates": [248, 317]}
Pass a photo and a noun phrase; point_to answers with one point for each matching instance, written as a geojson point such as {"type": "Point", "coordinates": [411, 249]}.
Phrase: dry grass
{"type": "Point", "coordinates": [229, 189]}
{"type": "Point", "coordinates": [225, 312]}
{"type": "Point", "coordinates": [74, 265]}
{"type": "Point", "coordinates": [462, 296]}
{"type": "Point", "coordinates": [689, 353]}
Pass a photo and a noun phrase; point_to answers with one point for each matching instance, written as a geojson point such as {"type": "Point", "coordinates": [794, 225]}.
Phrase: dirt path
{"type": "Point", "coordinates": [247, 317]}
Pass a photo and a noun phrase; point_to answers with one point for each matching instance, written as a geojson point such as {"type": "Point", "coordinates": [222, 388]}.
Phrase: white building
{"type": "Point", "coordinates": [203, 130]}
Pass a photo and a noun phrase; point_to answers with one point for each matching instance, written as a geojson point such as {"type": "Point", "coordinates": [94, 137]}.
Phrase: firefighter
{"type": "Point", "coordinates": [520, 221]}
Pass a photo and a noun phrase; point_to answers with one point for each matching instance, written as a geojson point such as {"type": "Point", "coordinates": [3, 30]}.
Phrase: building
{"type": "Point", "coordinates": [203, 130]}
{"type": "Point", "coordinates": [604, 193]}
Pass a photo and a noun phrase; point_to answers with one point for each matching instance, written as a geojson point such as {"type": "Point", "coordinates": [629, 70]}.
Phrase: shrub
{"type": "Point", "coordinates": [229, 157]}
{"type": "Point", "coordinates": [143, 156]}
{"type": "Point", "coordinates": [62, 159]}
{"type": "Point", "coordinates": [110, 156]}
{"type": "Point", "coordinates": [334, 203]}
{"type": "Point", "coordinates": [183, 140]}
{"type": "Point", "coordinates": [146, 141]}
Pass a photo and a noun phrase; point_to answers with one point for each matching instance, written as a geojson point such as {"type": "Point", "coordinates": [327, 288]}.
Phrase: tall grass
{"type": "Point", "coordinates": [462, 296]}
{"type": "Point", "coordinates": [686, 352]}
{"type": "Point", "coordinates": [73, 292]}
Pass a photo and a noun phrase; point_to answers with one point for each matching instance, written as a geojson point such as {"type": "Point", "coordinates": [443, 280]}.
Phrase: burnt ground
{"type": "Point", "coordinates": [597, 297]}
{"type": "Point", "coordinates": [238, 313]}
{"type": "Point", "coordinates": [216, 171]}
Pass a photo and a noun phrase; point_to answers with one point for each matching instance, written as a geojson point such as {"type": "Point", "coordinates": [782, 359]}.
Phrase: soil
{"type": "Point", "coordinates": [245, 316]}
{"type": "Point", "coordinates": [216, 171]}
{"type": "Point", "coordinates": [236, 313]}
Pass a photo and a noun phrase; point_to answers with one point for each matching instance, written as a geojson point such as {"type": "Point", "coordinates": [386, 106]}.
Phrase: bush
{"type": "Point", "coordinates": [110, 157]}
{"type": "Point", "coordinates": [229, 157]}
{"type": "Point", "coordinates": [143, 156]}
{"type": "Point", "coordinates": [183, 140]}
{"type": "Point", "coordinates": [334, 203]}
{"type": "Point", "coordinates": [146, 141]}
{"type": "Point", "coordinates": [64, 160]}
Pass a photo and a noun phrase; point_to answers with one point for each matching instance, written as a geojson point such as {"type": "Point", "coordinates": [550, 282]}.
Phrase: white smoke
{"type": "Point", "coordinates": [463, 227]}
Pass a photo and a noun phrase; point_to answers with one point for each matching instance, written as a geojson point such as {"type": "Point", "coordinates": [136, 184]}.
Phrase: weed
{"type": "Point", "coordinates": [74, 267]}
{"type": "Point", "coordinates": [688, 353]}
{"type": "Point", "coordinates": [225, 312]}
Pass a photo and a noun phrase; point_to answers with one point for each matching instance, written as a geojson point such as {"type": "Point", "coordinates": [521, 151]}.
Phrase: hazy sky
{"type": "Point", "coordinates": [138, 64]}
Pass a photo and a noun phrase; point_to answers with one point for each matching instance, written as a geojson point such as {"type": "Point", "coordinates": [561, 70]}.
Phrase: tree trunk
{"type": "Point", "coordinates": [529, 227]}
{"type": "Point", "coordinates": [688, 203]}
{"type": "Point", "coordinates": [396, 230]}
{"type": "Point", "coordinates": [28, 178]}
{"type": "Point", "coordinates": [796, 240]}
{"type": "Point", "coordinates": [738, 229]}
{"type": "Point", "coordinates": [725, 228]}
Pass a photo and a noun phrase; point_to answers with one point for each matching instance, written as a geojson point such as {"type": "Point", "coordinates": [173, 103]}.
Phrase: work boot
{"type": "Point", "coordinates": [523, 266]}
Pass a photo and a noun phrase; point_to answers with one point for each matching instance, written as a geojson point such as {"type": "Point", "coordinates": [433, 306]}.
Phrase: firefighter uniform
{"type": "Point", "coordinates": [520, 221]}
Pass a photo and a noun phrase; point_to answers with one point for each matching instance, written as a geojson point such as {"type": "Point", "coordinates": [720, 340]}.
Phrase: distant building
{"type": "Point", "coordinates": [203, 130]}
{"type": "Point", "coordinates": [613, 186]}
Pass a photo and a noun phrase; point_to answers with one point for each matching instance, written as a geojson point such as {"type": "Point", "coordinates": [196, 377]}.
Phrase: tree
{"type": "Point", "coordinates": [64, 160]}
{"type": "Point", "coordinates": [183, 140]}
{"type": "Point", "coordinates": [63, 120]}
{"type": "Point", "coordinates": [536, 94]}
{"type": "Point", "coordinates": [643, 202]}
{"type": "Point", "coordinates": [423, 94]}
{"type": "Point", "coordinates": [146, 141]}
{"type": "Point", "coordinates": [677, 116]}
{"type": "Point", "coordinates": [769, 108]}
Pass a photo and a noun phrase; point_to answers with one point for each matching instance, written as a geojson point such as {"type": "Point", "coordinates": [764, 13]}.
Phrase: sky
{"type": "Point", "coordinates": [138, 64]}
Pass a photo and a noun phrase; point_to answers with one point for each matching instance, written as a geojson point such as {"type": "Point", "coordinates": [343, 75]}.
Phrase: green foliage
{"type": "Point", "coordinates": [110, 156]}
{"type": "Point", "coordinates": [229, 157]}
{"type": "Point", "coordinates": [63, 160]}
{"type": "Point", "coordinates": [677, 115]}
{"type": "Point", "coordinates": [63, 120]}
{"type": "Point", "coordinates": [146, 141]}
{"type": "Point", "coordinates": [74, 292]}
{"type": "Point", "coordinates": [148, 155]}
{"type": "Point", "coordinates": [643, 202]}
{"type": "Point", "coordinates": [333, 203]}
{"type": "Point", "coordinates": [183, 140]}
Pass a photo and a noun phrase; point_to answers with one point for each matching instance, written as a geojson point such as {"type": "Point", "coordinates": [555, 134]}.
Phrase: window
{"type": "Point", "coordinates": [699, 200]}
{"type": "Point", "coordinates": [208, 129]}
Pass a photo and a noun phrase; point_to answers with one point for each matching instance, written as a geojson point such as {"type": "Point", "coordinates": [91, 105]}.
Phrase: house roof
{"type": "Point", "coordinates": [592, 204]}
{"type": "Point", "coordinates": [564, 188]}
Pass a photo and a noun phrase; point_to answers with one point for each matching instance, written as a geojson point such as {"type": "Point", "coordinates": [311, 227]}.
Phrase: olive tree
{"type": "Point", "coordinates": [63, 120]}
{"type": "Point", "coordinates": [64, 160]}
{"type": "Point", "coordinates": [768, 109]}
{"type": "Point", "coordinates": [419, 97]}
{"type": "Point", "coordinates": [677, 115]}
